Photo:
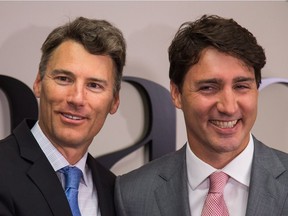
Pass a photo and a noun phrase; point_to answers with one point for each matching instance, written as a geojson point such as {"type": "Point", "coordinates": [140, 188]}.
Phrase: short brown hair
{"type": "Point", "coordinates": [99, 37]}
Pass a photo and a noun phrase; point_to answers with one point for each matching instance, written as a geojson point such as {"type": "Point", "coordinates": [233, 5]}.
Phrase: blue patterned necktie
{"type": "Point", "coordinates": [72, 179]}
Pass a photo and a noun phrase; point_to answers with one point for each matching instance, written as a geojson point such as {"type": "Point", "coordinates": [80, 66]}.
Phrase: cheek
{"type": "Point", "coordinates": [49, 97]}
{"type": "Point", "coordinates": [44, 104]}
{"type": "Point", "coordinates": [196, 107]}
{"type": "Point", "coordinates": [249, 109]}
{"type": "Point", "coordinates": [100, 106]}
{"type": "Point", "coordinates": [250, 104]}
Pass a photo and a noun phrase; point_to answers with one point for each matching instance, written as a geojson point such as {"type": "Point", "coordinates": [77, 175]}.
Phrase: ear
{"type": "Point", "coordinates": [115, 103]}
{"type": "Point", "coordinates": [37, 85]}
{"type": "Point", "coordinates": [176, 95]}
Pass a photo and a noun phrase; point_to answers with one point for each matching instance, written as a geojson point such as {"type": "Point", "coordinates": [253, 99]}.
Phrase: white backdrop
{"type": "Point", "coordinates": [149, 27]}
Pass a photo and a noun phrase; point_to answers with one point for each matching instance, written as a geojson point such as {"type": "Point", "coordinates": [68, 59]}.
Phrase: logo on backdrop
{"type": "Point", "coordinates": [160, 115]}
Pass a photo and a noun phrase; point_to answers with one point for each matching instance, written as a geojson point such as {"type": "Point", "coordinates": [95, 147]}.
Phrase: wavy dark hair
{"type": "Point", "coordinates": [225, 35]}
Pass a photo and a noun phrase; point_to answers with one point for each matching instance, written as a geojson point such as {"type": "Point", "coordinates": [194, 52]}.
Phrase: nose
{"type": "Point", "coordinates": [76, 95]}
{"type": "Point", "coordinates": [227, 102]}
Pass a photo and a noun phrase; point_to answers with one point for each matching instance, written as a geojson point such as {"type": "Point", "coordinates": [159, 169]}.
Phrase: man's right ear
{"type": "Point", "coordinates": [176, 95]}
{"type": "Point", "coordinates": [37, 85]}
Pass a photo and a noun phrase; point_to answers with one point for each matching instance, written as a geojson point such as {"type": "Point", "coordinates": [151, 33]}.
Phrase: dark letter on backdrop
{"type": "Point", "coordinates": [160, 116]}
{"type": "Point", "coordinates": [21, 100]}
{"type": "Point", "coordinates": [160, 136]}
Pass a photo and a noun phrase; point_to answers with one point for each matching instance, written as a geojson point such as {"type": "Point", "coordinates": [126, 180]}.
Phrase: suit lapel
{"type": "Point", "coordinates": [43, 175]}
{"type": "Point", "coordinates": [104, 182]}
{"type": "Point", "coordinates": [266, 194]}
{"type": "Point", "coordinates": [172, 196]}
{"type": "Point", "coordinates": [41, 172]}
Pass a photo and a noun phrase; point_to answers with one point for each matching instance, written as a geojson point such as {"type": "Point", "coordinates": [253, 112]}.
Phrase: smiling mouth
{"type": "Point", "coordinates": [72, 117]}
{"type": "Point", "coordinates": [224, 124]}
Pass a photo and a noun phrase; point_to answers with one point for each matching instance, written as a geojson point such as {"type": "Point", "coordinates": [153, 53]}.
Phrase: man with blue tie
{"type": "Point", "coordinates": [45, 166]}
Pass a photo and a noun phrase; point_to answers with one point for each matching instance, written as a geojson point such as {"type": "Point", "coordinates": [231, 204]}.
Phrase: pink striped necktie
{"type": "Point", "coordinates": [214, 204]}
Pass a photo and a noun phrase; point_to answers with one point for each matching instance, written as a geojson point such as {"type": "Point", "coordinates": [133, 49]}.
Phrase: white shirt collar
{"type": "Point", "coordinates": [239, 168]}
{"type": "Point", "coordinates": [56, 159]}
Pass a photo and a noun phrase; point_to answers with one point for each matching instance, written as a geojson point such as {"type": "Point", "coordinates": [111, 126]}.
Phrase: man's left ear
{"type": "Point", "coordinates": [115, 103]}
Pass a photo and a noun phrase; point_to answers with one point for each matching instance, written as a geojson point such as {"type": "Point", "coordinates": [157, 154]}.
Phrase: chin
{"type": "Point", "coordinates": [227, 145]}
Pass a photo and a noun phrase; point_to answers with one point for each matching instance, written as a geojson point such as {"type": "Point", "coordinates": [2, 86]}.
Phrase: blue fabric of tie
{"type": "Point", "coordinates": [72, 180]}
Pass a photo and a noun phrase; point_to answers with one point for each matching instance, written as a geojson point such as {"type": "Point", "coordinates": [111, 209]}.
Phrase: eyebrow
{"type": "Point", "coordinates": [219, 81]}
{"type": "Point", "coordinates": [244, 79]}
{"type": "Point", "coordinates": [69, 73]}
{"type": "Point", "coordinates": [205, 81]}
{"type": "Point", "coordinates": [61, 71]}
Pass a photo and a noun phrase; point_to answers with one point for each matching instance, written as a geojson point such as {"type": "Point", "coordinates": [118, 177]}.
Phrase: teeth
{"type": "Point", "coordinates": [72, 117]}
{"type": "Point", "coordinates": [225, 124]}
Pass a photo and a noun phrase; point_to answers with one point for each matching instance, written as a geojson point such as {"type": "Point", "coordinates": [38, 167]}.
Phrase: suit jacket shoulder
{"type": "Point", "coordinates": [28, 183]}
{"type": "Point", "coordinates": [157, 188]}
{"type": "Point", "coordinates": [268, 189]}
{"type": "Point", "coordinates": [163, 165]}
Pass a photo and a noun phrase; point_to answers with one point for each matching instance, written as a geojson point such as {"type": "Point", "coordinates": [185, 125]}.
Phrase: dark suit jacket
{"type": "Point", "coordinates": [160, 187]}
{"type": "Point", "coordinates": [30, 187]}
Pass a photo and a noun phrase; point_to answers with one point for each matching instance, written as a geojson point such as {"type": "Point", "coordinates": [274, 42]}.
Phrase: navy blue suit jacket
{"type": "Point", "coordinates": [29, 186]}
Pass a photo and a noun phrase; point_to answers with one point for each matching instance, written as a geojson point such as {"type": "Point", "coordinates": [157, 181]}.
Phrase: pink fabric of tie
{"type": "Point", "coordinates": [214, 204]}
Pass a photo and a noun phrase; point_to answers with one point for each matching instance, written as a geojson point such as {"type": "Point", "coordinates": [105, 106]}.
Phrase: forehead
{"type": "Point", "coordinates": [213, 63]}
{"type": "Point", "coordinates": [72, 56]}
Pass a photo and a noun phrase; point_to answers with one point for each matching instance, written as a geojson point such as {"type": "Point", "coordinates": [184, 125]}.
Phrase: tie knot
{"type": "Point", "coordinates": [72, 177]}
{"type": "Point", "coordinates": [218, 181]}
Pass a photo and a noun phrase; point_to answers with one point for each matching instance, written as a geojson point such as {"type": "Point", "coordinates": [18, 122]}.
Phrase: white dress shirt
{"type": "Point", "coordinates": [87, 197]}
{"type": "Point", "coordinates": [236, 189]}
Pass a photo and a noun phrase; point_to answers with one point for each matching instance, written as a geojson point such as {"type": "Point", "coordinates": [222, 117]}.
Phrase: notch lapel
{"type": "Point", "coordinates": [172, 196]}
{"type": "Point", "coordinates": [41, 172]}
{"type": "Point", "coordinates": [43, 175]}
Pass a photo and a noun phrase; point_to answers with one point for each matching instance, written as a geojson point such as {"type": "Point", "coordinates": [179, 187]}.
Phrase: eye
{"type": "Point", "coordinates": [63, 80]}
{"type": "Point", "coordinates": [94, 86]}
{"type": "Point", "coordinates": [208, 89]}
{"type": "Point", "coordinates": [242, 86]}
